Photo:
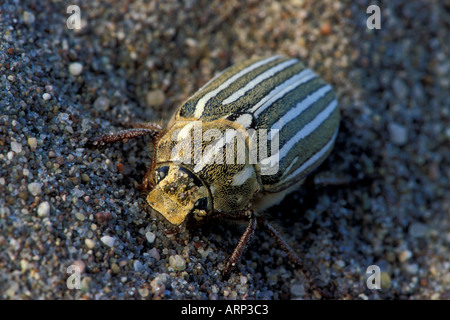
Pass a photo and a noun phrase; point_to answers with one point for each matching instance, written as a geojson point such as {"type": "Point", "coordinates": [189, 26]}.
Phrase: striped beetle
{"type": "Point", "coordinates": [244, 101]}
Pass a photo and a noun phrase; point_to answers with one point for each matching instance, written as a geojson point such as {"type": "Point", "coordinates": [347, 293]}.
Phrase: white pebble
{"type": "Point", "coordinates": [89, 243]}
{"type": "Point", "coordinates": [150, 237]}
{"type": "Point", "coordinates": [177, 262]}
{"type": "Point", "coordinates": [28, 17]}
{"type": "Point", "coordinates": [43, 209]}
{"type": "Point", "coordinates": [16, 147]}
{"type": "Point", "coordinates": [107, 240]}
{"type": "Point", "coordinates": [35, 188]}
{"type": "Point", "coordinates": [75, 68]}
{"type": "Point", "coordinates": [404, 255]}
{"type": "Point", "coordinates": [46, 96]}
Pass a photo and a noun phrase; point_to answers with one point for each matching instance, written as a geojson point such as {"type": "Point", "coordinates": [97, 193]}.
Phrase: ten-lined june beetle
{"type": "Point", "coordinates": [241, 143]}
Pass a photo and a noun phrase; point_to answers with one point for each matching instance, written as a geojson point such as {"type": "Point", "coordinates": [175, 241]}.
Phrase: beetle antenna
{"type": "Point", "coordinates": [123, 135]}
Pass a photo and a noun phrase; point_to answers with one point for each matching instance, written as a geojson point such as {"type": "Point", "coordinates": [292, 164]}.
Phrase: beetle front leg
{"type": "Point", "coordinates": [242, 244]}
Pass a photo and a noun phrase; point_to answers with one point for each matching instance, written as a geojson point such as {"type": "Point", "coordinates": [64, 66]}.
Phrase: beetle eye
{"type": "Point", "coordinates": [201, 204]}
{"type": "Point", "coordinates": [161, 173]}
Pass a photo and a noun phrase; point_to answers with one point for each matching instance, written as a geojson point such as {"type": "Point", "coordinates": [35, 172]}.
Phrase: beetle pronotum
{"type": "Point", "coordinates": [205, 158]}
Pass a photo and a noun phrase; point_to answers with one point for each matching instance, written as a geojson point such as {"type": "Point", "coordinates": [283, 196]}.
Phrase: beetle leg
{"type": "Point", "coordinates": [291, 254]}
{"type": "Point", "coordinates": [281, 241]}
{"type": "Point", "coordinates": [240, 247]}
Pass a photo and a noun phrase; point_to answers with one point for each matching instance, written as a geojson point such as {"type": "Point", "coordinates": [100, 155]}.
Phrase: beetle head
{"type": "Point", "coordinates": [178, 193]}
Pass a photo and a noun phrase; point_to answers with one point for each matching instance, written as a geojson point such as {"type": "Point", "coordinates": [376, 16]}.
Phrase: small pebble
{"type": "Point", "coordinates": [79, 216]}
{"type": "Point", "coordinates": [412, 268]}
{"type": "Point", "coordinates": [418, 230]}
{"type": "Point", "coordinates": [155, 98]}
{"type": "Point", "coordinates": [75, 68]}
{"type": "Point", "coordinates": [89, 243]}
{"type": "Point", "coordinates": [363, 296]}
{"type": "Point", "coordinates": [78, 193]}
{"type": "Point", "coordinates": [16, 147]}
{"type": "Point", "coordinates": [101, 104]}
{"type": "Point", "coordinates": [298, 290]}
{"type": "Point", "coordinates": [86, 284]}
{"type": "Point", "coordinates": [107, 240]}
{"type": "Point", "coordinates": [158, 286]}
{"type": "Point", "coordinates": [435, 296]}
{"type": "Point", "coordinates": [398, 134]}
{"type": "Point", "coordinates": [35, 188]}
{"type": "Point", "coordinates": [339, 264]}
{"type": "Point", "coordinates": [404, 255]}
{"type": "Point", "coordinates": [46, 96]}
{"type": "Point", "coordinates": [150, 237]}
{"type": "Point", "coordinates": [144, 292]}
{"type": "Point", "coordinates": [137, 265]}
{"type": "Point", "coordinates": [385, 280]}
{"type": "Point", "coordinates": [400, 88]}
{"type": "Point", "coordinates": [28, 17]}
{"type": "Point", "coordinates": [115, 268]}
{"type": "Point", "coordinates": [272, 278]}
{"type": "Point", "coordinates": [325, 29]}
{"type": "Point", "coordinates": [177, 262]}
{"type": "Point", "coordinates": [32, 142]}
{"type": "Point", "coordinates": [153, 253]}
{"type": "Point", "coordinates": [43, 209]}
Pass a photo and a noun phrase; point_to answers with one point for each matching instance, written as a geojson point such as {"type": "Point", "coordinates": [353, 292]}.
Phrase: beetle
{"type": "Point", "coordinates": [216, 158]}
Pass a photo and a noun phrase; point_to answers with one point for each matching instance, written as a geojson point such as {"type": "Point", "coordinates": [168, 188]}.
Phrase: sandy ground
{"type": "Point", "coordinates": [64, 205]}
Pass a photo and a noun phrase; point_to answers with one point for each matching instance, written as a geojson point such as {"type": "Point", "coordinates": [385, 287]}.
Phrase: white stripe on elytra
{"type": "Point", "coordinates": [216, 147]}
{"type": "Point", "coordinates": [289, 167]}
{"type": "Point", "coordinates": [200, 106]}
{"type": "Point", "coordinates": [265, 75]}
{"type": "Point", "coordinates": [242, 176]}
{"type": "Point", "coordinates": [245, 120]}
{"type": "Point", "coordinates": [301, 107]}
{"type": "Point", "coordinates": [306, 130]}
{"type": "Point", "coordinates": [313, 159]}
{"type": "Point", "coordinates": [279, 91]}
